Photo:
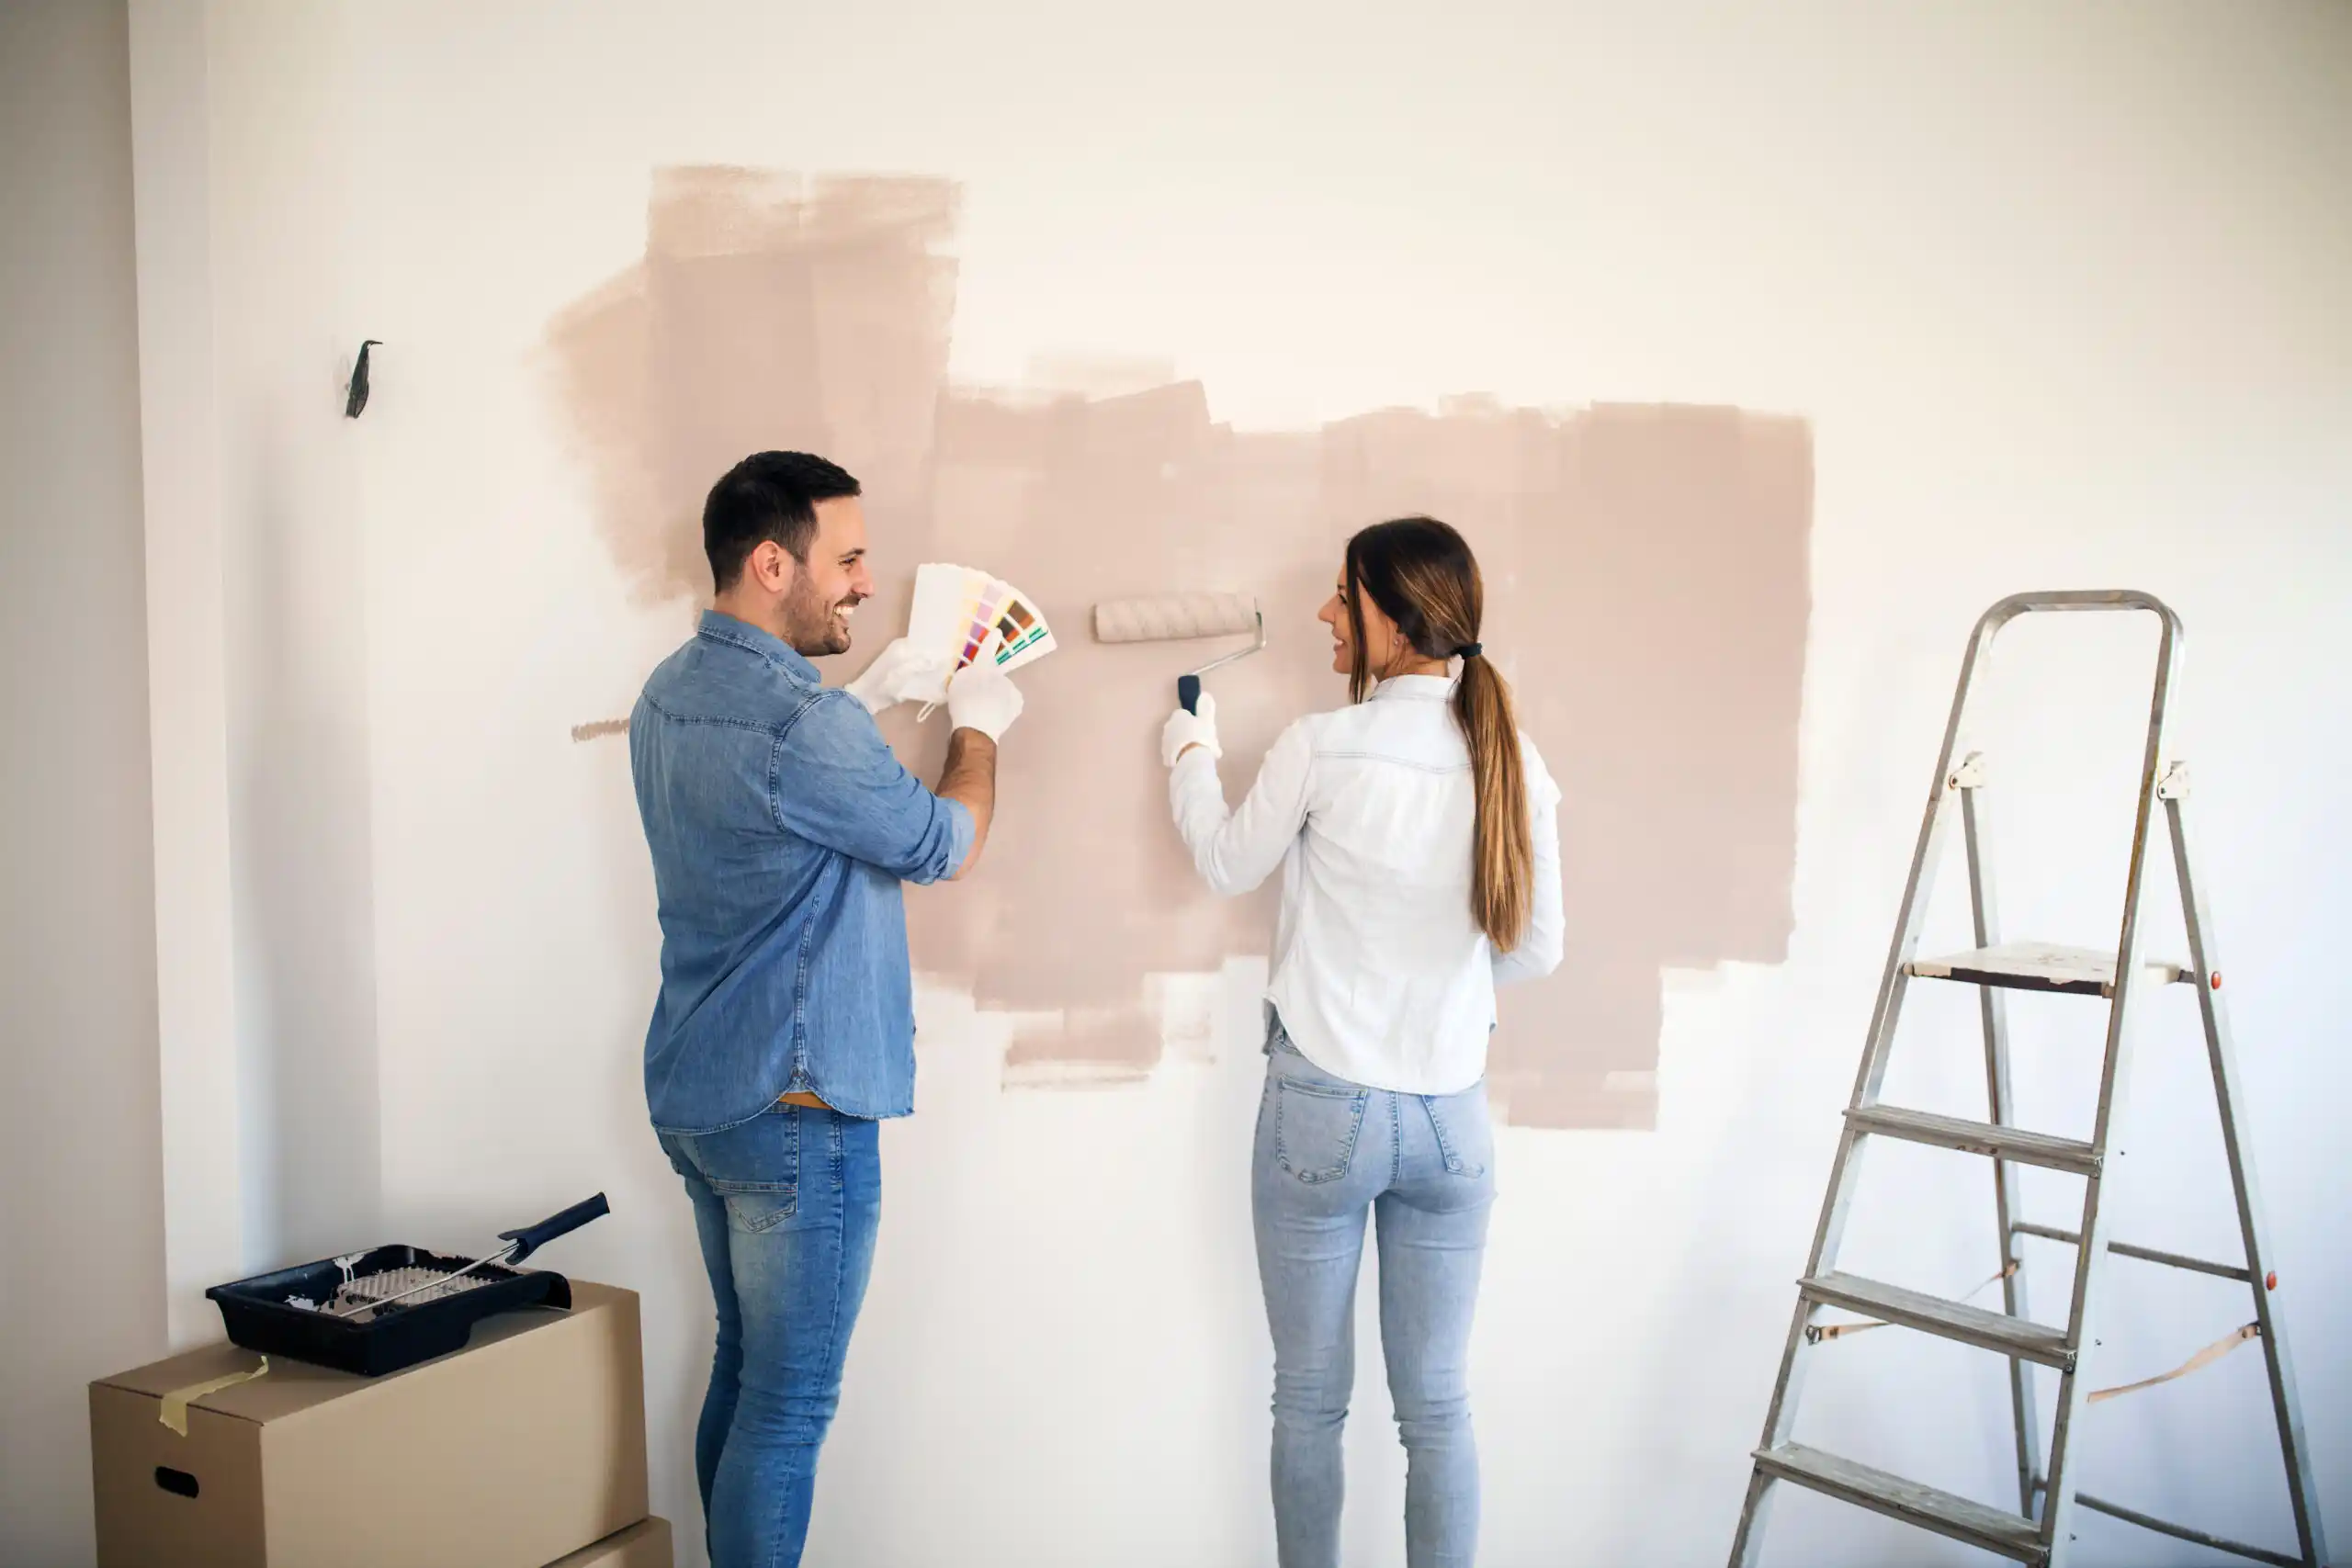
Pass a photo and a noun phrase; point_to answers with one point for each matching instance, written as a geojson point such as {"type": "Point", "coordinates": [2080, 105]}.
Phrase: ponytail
{"type": "Point", "coordinates": [1422, 574]}
{"type": "Point", "coordinates": [1502, 854]}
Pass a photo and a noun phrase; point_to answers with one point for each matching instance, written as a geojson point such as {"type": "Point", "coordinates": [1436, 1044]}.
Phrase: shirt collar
{"type": "Point", "coordinates": [720, 626]}
{"type": "Point", "coordinates": [1422, 688]}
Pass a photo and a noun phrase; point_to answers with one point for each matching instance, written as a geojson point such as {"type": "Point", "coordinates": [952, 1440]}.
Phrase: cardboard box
{"type": "Point", "coordinates": [525, 1446]}
{"type": "Point", "coordinates": [645, 1544]}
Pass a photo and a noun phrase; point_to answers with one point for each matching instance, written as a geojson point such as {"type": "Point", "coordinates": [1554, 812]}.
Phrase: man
{"type": "Point", "coordinates": [781, 827]}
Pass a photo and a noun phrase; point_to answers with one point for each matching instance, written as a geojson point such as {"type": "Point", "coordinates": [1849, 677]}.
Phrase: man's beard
{"type": "Point", "coordinates": [811, 621]}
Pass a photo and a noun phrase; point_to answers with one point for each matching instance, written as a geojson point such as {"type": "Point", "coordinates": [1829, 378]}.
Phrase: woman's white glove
{"type": "Point", "coordinates": [1185, 729]}
{"type": "Point", "coordinates": [899, 673]}
{"type": "Point", "coordinates": [980, 698]}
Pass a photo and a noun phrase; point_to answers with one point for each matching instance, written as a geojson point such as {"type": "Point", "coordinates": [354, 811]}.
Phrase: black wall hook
{"type": "Point", "coordinates": [358, 399]}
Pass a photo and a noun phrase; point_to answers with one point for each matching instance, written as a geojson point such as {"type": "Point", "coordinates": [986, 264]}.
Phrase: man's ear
{"type": "Point", "coordinates": [770, 566]}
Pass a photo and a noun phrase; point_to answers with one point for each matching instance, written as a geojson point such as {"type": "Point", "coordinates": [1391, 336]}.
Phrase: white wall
{"type": "Point", "coordinates": [264, 905]}
{"type": "Point", "coordinates": [80, 1178]}
{"type": "Point", "coordinates": [2060, 290]}
{"type": "Point", "coordinates": [203, 1125]}
{"type": "Point", "coordinates": [295, 562]}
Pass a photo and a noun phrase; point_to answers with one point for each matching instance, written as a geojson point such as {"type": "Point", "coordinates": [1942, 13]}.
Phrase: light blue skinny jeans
{"type": "Point", "coordinates": [1326, 1149]}
{"type": "Point", "coordinates": [787, 1206]}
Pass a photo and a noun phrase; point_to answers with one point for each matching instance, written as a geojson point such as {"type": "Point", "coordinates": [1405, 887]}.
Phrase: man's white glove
{"type": "Point", "coordinates": [899, 673]}
{"type": "Point", "coordinates": [980, 698]}
{"type": "Point", "coordinates": [1185, 729]}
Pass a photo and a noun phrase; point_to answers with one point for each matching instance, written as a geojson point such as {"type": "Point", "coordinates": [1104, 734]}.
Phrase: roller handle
{"type": "Point", "coordinates": [530, 1238]}
{"type": "Point", "coordinates": [1188, 692]}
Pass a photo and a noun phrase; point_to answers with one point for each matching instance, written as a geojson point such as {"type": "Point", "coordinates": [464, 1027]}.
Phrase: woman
{"type": "Point", "coordinates": [1418, 837]}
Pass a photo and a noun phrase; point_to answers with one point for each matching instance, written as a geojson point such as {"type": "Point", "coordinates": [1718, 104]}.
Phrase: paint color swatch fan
{"type": "Point", "coordinates": [965, 616]}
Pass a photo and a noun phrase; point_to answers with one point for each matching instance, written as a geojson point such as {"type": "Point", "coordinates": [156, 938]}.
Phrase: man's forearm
{"type": "Point", "coordinates": [970, 777]}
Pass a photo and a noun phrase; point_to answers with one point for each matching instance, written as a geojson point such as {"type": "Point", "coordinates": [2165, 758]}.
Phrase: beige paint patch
{"type": "Point", "coordinates": [1648, 584]}
{"type": "Point", "coordinates": [769, 311]}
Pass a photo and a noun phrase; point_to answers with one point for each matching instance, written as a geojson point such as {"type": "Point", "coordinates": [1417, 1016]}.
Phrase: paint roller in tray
{"type": "Point", "coordinates": [1170, 616]}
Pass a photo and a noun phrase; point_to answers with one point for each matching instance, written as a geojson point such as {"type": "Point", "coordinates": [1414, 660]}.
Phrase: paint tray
{"type": "Point", "coordinates": [373, 1312]}
{"type": "Point", "coordinates": [261, 1314]}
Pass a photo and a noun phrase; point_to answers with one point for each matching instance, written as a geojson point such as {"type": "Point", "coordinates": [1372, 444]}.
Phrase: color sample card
{"type": "Point", "coordinates": [980, 622]}
{"type": "Point", "coordinates": [1023, 634]}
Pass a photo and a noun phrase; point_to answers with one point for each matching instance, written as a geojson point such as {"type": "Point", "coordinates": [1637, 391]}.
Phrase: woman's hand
{"type": "Point", "coordinates": [1185, 731]}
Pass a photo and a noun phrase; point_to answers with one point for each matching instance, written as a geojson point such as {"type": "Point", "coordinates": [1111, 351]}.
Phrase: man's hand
{"type": "Point", "coordinates": [899, 673]}
{"type": "Point", "coordinates": [1184, 731]}
{"type": "Point", "coordinates": [979, 698]}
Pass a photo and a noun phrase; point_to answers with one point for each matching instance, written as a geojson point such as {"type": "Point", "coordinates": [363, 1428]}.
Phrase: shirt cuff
{"type": "Point", "coordinates": [1197, 758]}
{"type": "Point", "coordinates": [960, 833]}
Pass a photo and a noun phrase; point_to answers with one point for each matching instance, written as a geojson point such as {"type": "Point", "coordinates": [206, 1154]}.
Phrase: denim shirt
{"type": "Point", "coordinates": [781, 827]}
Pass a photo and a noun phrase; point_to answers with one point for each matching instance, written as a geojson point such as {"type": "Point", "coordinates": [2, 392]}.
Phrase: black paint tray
{"type": "Point", "coordinates": [393, 1331]}
{"type": "Point", "coordinates": [256, 1314]}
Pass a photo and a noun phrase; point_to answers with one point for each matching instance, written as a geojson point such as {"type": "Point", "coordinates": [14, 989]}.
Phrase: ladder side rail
{"type": "Point", "coordinates": [2221, 1051]}
{"type": "Point", "coordinates": [2001, 1108]}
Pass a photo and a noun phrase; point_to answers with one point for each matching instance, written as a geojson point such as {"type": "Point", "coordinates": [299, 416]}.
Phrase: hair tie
{"type": "Point", "coordinates": [1469, 650]}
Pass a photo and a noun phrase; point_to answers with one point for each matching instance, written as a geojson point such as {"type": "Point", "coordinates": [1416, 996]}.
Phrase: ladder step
{"type": "Point", "coordinates": [1978, 1138]}
{"type": "Point", "coordinates": [2039, 967]}
{"type": "Point", "coordinates": [1953, 1320]}
{"type": "Point", "coordinates": [1946, 1512]}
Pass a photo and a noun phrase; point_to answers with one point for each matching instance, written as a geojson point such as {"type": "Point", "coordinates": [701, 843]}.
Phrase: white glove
{"type": "Point", "coordinates": [899, 673]}
{"type": "Point", "coordinates": [979, 697]}
{"type": "Point", "coordinates": [1185, 729]}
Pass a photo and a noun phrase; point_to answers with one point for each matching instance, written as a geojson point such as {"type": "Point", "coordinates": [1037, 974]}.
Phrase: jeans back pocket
{"type": "Point", "coordinates": [754, 1166]}
{"type": "Point", "coordinates": [1466, 1130]}
{"type": "Point", "coordinates": [1316, 1127]}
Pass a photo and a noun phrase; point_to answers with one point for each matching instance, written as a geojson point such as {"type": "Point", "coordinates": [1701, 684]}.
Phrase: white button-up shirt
{"type": "Point", "coordinates": [1380, 972]}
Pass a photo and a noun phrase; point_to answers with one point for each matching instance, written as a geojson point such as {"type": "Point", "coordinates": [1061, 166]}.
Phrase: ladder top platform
{"type": "Point", "coordinates": [2040, 967]}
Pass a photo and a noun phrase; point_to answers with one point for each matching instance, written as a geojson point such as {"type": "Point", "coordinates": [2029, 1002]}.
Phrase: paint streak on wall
{"type": "Point", "coordinates": [1647, 587]}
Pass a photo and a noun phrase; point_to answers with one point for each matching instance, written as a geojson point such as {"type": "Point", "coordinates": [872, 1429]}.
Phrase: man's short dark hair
{"type": "Point", "coordinates": [768, 495]}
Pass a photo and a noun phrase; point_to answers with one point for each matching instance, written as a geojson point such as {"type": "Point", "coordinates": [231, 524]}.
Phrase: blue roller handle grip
{"type": "Point", "coordinates": [1188, 692]}
{"type": "Point", "coordinates": [530, 1238]}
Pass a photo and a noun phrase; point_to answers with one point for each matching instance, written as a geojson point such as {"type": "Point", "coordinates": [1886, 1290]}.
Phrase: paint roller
{"type": "Point", "coordinates": [1171, 617]}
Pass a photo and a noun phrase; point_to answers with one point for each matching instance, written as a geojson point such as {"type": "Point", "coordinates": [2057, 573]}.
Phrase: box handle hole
{"type": "Point", "coordinates": [176, 1481]}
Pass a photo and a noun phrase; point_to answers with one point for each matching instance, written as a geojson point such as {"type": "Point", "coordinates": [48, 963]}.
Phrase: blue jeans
{"type": "Point", "coordinates": [787, 1204]}
{"type": "Point", "coordinates": [1424, 1164]}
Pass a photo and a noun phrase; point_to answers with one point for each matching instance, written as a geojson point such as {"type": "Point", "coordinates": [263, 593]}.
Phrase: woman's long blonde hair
{"type": "Point", "coordinates": [1423, 577]}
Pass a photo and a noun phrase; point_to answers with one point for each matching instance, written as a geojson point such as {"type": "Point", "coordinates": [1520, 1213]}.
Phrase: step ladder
{"type": "Point", "coordinates": [2039, 1530]}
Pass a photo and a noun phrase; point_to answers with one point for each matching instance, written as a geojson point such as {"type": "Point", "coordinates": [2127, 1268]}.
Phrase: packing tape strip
{"type": "Point", "coordinates": [2198, 1362]}
{"type": "Point", "coordinates": [175, 1411]}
